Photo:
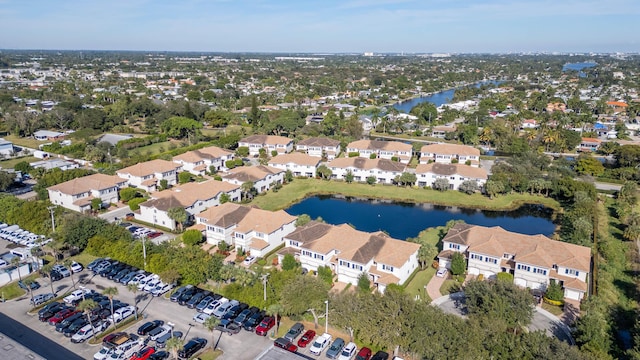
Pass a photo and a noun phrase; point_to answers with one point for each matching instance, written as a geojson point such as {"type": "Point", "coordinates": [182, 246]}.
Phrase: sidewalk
{"type": "Point", "coordinates": [433, 287]}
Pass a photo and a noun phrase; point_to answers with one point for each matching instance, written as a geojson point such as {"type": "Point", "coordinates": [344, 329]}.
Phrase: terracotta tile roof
{"type": "Point", "coordinates": [188, 194]}
{"type": "Point", "coordinates": [450, 149]}
{"type": "Point", "coordinates": [246, 218]}
{"type": "Point", "coordinates": [617, 103]}
{"type": "Point", "coordinates": [208, 153]}
{"type": "Point", "coordinates": [591, 140]}
{"type": "Point", "coordinates": [319, 141]}
{"type": "Point", "coordinates": [529, 249]}
{"type": "Point", "coordinates": [380, 145]}
{"type": "Point", "coordinates": [266, 139]}
{"type": "Point", "coordinates": [452, 169]}
{"type": "Point", "coordinates": [150, 168]}
{"type": "Point", "coordinates": [87, 183]}
{"type": "Point", "coordinates": [250, 173]}
{"type": "Point", "coordinates": [258, 244]}
{"type": "Point", "coordinates": [295, 158]}
{"type": "Point", "coordinates": [367, 164]}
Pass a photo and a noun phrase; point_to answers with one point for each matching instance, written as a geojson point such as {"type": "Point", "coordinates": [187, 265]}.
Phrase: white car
{"type": "Point", "coordinates": [136, 279]}
{"type": "Point", "coordinates": [348, 352]}
{"type": "Point", "coordinates": [200, 317]}
{"type": "Point", "coordinates": [159, 332]}
{"type": "Point", "coordinates": [150, 285]}
{"type": "Point", "coordinates": [222, 309]}
{"type": "Point", "coordinates": [76, 268]}
{"type": "Point", "coordinates": [442, 272]}
{"type": "Point", "coordinates": [161, 289]}
{"type": "Point", "coordinates": [142, 283]}
{"type": "Point", "coordinates": [123, 313]}
{"type": "Point", "coordinates": [104, 353]}
{"type": "Point", "coordinates": [87, 332]}
{"type": "Point", "coordinates": [62, 270]}
{"type": "Point", "coordinates": [320, 344]}
{"type": "Point", "coordinates": [75, 295]}
{"type": "Point", "coordinates": [214, 305]}
{"type": "Point", "coordinates": [249, 260]}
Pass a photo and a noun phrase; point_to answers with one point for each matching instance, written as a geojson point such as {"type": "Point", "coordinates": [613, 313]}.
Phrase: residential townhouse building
{"type": "Point", "coordinates": [589, 144]}
{"type": "Point", "coordinates": [298, 163]}
{"type": "Point", "coordinates": [78, 193]}
{"type": "Point", "coordinates": [270, 143]}
{"type": "Point", "coordinates": [319, 147]}
{"type": "Point", "coordinates": [251, 229]}
{"type": "Point", "coordinates": [533, 260]}
{"type": "Point", "coordinates": [194, 197]}
{"type": "Point", "coordinates": [261, 176]}
{"type": "Point", "coordinates": [385, 171]}
{"type": "Point", "coordinates": [350, 252]}
{"type": "Point", "coordinates": [199, 162]}
{"type": "Point", "coordinates": [456, 174]}
{"type": "Point", "coordinates": [147, 175]}
{"type": "Point", "coordinates": [382, 149]}
{"type": "Point", "coordinates": [450, 153]}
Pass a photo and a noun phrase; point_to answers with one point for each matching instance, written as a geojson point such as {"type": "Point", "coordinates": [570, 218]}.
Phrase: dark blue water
{"type": "Point", "coordinates": [404, 220]}
{"type": "Point", "coordinates": [578, 66]}
{"type": "Point", "coordinates": [439, 98]}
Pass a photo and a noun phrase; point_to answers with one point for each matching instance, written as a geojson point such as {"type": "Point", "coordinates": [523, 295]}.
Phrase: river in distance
{"type": "Point", "coordinates": [404, 220]}
{"type": "Point", "coordinates": [437, 99]}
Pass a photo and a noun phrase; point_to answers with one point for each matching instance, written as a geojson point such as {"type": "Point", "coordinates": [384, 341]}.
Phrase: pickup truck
{"type": "Point", "coordinates": [228, 326]}
{"type": "Point", "coordinates": [76, 295]}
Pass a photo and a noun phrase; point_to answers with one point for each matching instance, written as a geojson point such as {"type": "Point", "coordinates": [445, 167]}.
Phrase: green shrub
{"type": "Point", "coordinates": [134, 204]}
{"type": "Point", "coordinates": [373, 156]}
{"type": "Point", "coordinates": [192, 237]}
{"type": "Point", "coordinates": [354, 154]}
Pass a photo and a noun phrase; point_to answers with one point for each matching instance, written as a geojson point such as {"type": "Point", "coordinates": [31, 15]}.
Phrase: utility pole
{"type": "Point", "coordinates": [53, 219]}
{"type": "Point", "coordinates": [264, 286]}
{"type": "Point", "coordinates": [326, 317]}
{"type": "Point", "coordinates": [144, 251]}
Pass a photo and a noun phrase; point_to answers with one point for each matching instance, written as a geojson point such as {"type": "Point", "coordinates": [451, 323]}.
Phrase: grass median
{"type": "Point", "coordinates": [300, 189]}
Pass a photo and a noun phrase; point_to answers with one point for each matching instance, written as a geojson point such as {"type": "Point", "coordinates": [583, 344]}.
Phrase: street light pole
{"type": "Point", "coordinates": [53, 219]}
{"type": "Point", "coordinates": [326, 316]}
{"type": "Point", "coordinates": [144, 251]}
{"type": "Point", "coordinates": [264, 285]}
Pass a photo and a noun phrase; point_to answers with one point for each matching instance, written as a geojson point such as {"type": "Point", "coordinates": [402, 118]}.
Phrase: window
{"type": "Point", "coordinates": [524, 267]}
{"type": "Point", "coordinates": [571, 272]}
{"type": "Point", "coordinates": [539, 271]}
{"type": "Point", "coordinates": [454, 246]}
{"type": "Point", "coordinates": [387, 267]}
{"type": "Point", "coordinates": [293, 243]}
{"type": "Point", "coordinates": [306, 253]}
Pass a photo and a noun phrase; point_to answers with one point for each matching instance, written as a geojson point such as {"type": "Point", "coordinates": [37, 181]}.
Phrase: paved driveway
{"type": "Point", "coordinates": [243, 346]}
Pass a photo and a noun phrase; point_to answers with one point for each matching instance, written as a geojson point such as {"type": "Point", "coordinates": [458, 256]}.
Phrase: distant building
{"type": "Point", "coordinates": [382, 149]}
{"type": "Point", "coordinates": [78, 193]}
{"type": "Point", "coordinates": [319, 147]}
{"type": "Point", "coordinates": [456, 174]}
{"type": "Point", "coordinates": [46, 135]}
{"type": "Point", "coordinates": [55, 164]}
{"type": "Point", "coordinates": [449, 153]}
{"type": "Point", "coordinates": [298, 163]}
{"type": "Point", "coordinates": [198, 162]}
{"type": "Point", "coordinates": [270, 143]}
{"type": "Point", "coordinates": [6, 147]}
{"type": "Point", "coordinates": [113, 139]}
{"type": "Point", "coordinates": [385, 171]}
{"type": "Point", "coordinates": [261, 176]}
{"type": "Point", "coordinates": [589, 144]}
{"type": "Point", "coordinates": [147, 175]}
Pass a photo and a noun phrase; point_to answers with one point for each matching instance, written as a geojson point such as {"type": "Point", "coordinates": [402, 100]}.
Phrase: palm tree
{"type": "Point", "coordinates": [16, 262]}
{"type": "Point", "coordinates": [67, 263]}
{"type": "Point", "coordinates": [274, 310]}
{"type": "Point", "coordinates": [47, 270]}
{"type": "Point", "coordinates": [110, 292]}
{"type": "Point", "coordinates": [134, 289]}
{"type": "Point", "coordinates": [211, 324]}
{"type": "Point", "coordinates": [28, 283]}
{"type": "Point", "coordinates": [174, 345]}
{"type": "Point", "coordinates": [87, 307]}
{"type": "Point", "coordinates": [246, 188]}
{"type": "Point", "coordinates": [179, 215]}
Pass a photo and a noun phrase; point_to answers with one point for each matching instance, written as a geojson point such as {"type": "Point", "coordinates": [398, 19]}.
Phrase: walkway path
{"type": "Point", "coordinates": [433, 287]}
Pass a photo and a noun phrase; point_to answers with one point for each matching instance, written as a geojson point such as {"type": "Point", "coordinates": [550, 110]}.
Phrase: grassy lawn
{"type": "Point", "coordinates": [25, 141]}
{"type": "Point", "coordinates": [209, 354]}
{"type": "Point", "coordinates": [83, 258]}
{"type": "Point", "coordinates": [449, 286]}
{"type": "Point", "coordinates": [9, 164]}
{"type": "Point", "coordinates": [418, 283]}
{"type": "Point", "coordinates": [12, 290]}
{"type": "Point", "coordinates": [154, 149]}
{"type": "Point", "coordinates": [555, 310]}
{"type": "Point", "coordinates": [302, 188]}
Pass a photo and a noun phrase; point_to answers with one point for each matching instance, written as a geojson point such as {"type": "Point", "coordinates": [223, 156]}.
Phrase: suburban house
{"type": "Point", "coordinates": [618, 106]}
{"type": "Point", "coordinates": [298, 163]}
{"type": "Point", "coordinates": [6, 147]}
{"type": "Point", "coordinates": [55, 163]}
{"type": "Point", "coordinates": [78, 193]}
{"type": "Point", "coordinates": [44, 135]}
{"type": "Point", "coordinates": [198, 162]}
{"type": "Point", "coordinates": [589, 144]}
{"type": "Point", "coordinates": [147, 175]}
{"type": "Point", "coordinates": [114, 139]}
{"type": "Point", "coordinates": [385, 171]}
{"type": "Point", "coordinates": [449, 153]}
{"type": "Point", "coordinates": [456, 174]}
{"type": "Point", "coordinates": [261, 176]}
{"type": "Point", "coordinates": [350, 252]}
{"type": "Point", "coordinates": [194, 197]}
{"type": "Point", "coordinates": [382, 149]}
{"type": "Point", "coordinates": [319, 147]}
{"type": "Point", "coordinates": [529, 124]}
{"type": "Point", "coordinates": [441, 131]}
{"type": "Point", "coordinates": [533, 260]}
{"type": "Point", "coordinates": [251, 229]}
{"type": "Point", "coordinates": [270, 143]}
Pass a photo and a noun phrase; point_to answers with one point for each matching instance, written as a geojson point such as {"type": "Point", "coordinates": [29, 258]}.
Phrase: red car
{"type": "Point", "coordinates": [265, 326]}
{"type": "Point", "coordinates": [364, 354]}
{"type": "Point", "coordinates": [143, 354]}
{"type": "Point", "coordinates": [283, 343]}
{"type": "Point", "coordinates": [61, 315]}
{"type": "Point", "coordinates": [154, 235]}
{"type": "Point", "coordinates": [306, 338]}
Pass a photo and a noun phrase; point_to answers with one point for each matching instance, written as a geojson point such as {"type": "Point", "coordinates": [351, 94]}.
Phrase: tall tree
{"type": "Point", "coordinates": [87, 307]}
{"type": "Point", "coordinates": [305, 294]}
{"type": "Point", "coordinates": [179, 215]}
{"type": "Point", "coordinates": [111, 292]}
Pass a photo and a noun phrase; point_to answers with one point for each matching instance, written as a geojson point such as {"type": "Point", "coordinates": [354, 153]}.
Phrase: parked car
{"type": "Point", "coordinates": [42, 298]}
{"type": "Point", "coordinates": [348, 351]}
{"type": "Point", "coordinates": [228, 326]}
{"type": "Point", "coordinates": [161, 331]}
{"type": "Point", "coordinates": [94, 263]}
{"type": "Point", "coordinates": [47, 313]}
{"type": "Point", "coordinates": [285, 344]}
{"type": "Point", "coordinates": [222, 309]}
{"type": "Point", "coordinates": [294, 332]}
{"type": "Point", "coordinates": [123, 313]}
{"type": "Point", "coordinates": [143, 354]}
{"type": "Point", "coordinates": [68, 321]}
{"type": "Point", "coordinates": [335, 349]}
{"type": "Point", "coordinates": [320, 344]}
{"type": "Point", "coordinates": [249, 260]}
{"type": "Point", "coordinates": [76, 295]}
{"type": "Point", "coordinates": [104, 353]}
{"type": "Point", "coordinates": [76, 267]}
{"type": "Point", "coordinates": [160, 355]}
{"type": "Point", "coordinates": [253, 321]}
{"type": "Point", "coordinates": [62, 270]}
{"type": "Point", "coordinates": [33, 285]}
{"type": "Point", "coordinates": [442, 272]}
{"type": "Point", "coordinates": [75, 326]}
{"type": "Point", "coordinates": [266, 325]}
{"type": "Point", "coordinates": [61, 315]}
{"type": "Point", "coordinates": [200, 317]}
{"type": "Point", "coordinates": [215, 305]}
{"type": "Point", "coordinates": [380, 355]}
{"type": "Point", "coordinates": [195, 300]}
{"type": "Point", "coordinates": [306, 338]}
{"type": "Point", "coordinates": [145, 328]}
{"type": "Point", "coordinates": [187, 295]}
{"type": "Point", "coordinates": [176, 294]}
{"type": "Point", "coordinates": [204, 303]}
{"type": "Point", "coordinates": [161, 341]}
{"type": "Point", "coordinates": [245, 315]}
{"type": "Point", "coordinates": [55, 276]}
{"type": "Point", "coordinates": [87, 332]}
{"type": "Point", "coordinates": [364, 354]}
{"type": "Point", "coordinates": [192, 347]}
{"type": "Point", "coordinates": [161, 289]}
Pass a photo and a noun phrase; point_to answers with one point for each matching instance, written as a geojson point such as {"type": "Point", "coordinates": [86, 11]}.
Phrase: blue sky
{"type": "Point", "coordinates": [320, 26]}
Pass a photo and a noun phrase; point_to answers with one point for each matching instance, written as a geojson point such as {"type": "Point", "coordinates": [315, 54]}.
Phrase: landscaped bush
{"type": "Point", "coordinates": [373, 156]}
{"type": "Point", "coordinates": [134, 204]}
{"type": "Point", "coordinates": [395, 158]}
{"type": "Point", "coordinates": [354, 154]}
{"type": "Point", "coordinates": [192, 237]}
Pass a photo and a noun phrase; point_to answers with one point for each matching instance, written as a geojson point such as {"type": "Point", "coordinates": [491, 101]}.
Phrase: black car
{"type": "Point", "coordinates": [121, 274]}
{"type": "Point", "coordinates": [245, 314]}
{"type": "Point", "coordinates": [193, 346]}
{"type": "Point", "coordinates": [195, 299]}
{"type": "Point", "coordinates": [50, 312]}
{"type": "Point", "coordinates": [66, 322]}
{"type": "Point", "coordinates": [94, 263]}
{"type": "Point", "coordinates": [234, 311]}
{"type": "Point", "coordinates": [75, 326]}
{"type": "Point", "coordinates": [187, 295]}
{"type": "Point", "coordinates": [129, 276]}
{"type": "Point", "coordinates": [55, 276]}
{"type": "Point", "coordinates": [34, 285]}
{"type": "Point", "coordinates": [160, 355]}
{"type": "Point", "coordinates": [253, 321]}
{"type": "Point", "coordinates": [148, 326]}
{"type": "Point", "coordinates": [175, 296]}
{"type": "Point", "coordinates": [48, 306]}
{"type": "Point", "coordinates": [380, 355]}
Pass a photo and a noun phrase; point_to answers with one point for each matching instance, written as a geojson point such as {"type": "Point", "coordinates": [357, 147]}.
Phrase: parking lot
{"type": "Point", "coordinates": [243, 345]}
